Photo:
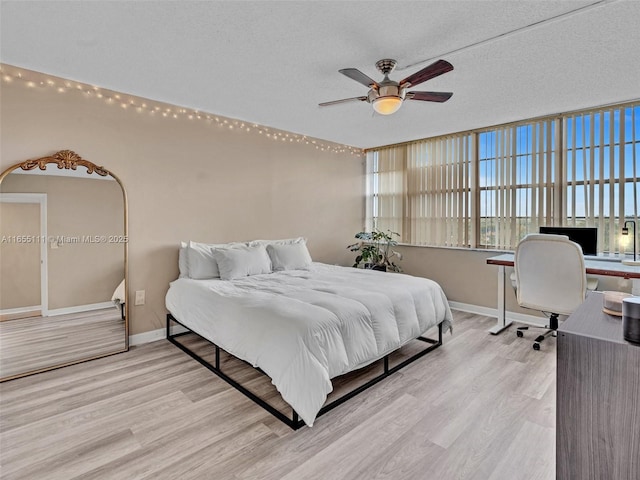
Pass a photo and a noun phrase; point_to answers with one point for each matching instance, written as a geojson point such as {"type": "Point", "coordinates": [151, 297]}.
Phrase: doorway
{"type": "Point", "coordinates": [23, 255]}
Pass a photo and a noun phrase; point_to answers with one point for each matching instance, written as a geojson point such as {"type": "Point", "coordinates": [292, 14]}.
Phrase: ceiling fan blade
{"type": "Point", "coordinates": [437, 68]}
{"type": "Point", "coordinates": [344, 100]}
{"type": "Point", "coordinates": [358, 76]}
{"type": "Point", "coordinates": [430, 96]}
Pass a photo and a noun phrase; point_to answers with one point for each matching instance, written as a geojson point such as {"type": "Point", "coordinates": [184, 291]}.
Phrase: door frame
{"type": "Point", "coordinates": [41, 199]}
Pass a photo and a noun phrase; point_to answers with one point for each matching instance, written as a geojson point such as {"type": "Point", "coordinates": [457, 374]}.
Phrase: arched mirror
{"type": "Point", "coordinates": [63, 264]}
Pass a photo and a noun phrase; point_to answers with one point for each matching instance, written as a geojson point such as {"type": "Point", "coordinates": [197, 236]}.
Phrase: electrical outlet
{"type": "Point", "coordinates": [139, 297]}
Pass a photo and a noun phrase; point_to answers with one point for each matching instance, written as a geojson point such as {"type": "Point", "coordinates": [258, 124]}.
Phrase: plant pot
{"type": "Point", "coordinates": [371, 266]}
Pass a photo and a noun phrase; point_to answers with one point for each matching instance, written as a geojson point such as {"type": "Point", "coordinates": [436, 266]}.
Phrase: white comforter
{"type": "Point", "coordinates": [305, 327]}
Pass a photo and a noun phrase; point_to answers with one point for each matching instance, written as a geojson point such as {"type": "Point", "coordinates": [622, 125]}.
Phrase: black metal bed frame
{"type": "Point", "coordinates": [294, 422]}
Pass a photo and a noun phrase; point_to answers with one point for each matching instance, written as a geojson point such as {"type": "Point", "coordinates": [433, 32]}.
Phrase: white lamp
{"type": "Point", "coordinates": [387, 105]}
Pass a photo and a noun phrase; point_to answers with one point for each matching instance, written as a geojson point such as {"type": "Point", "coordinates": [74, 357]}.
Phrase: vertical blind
{"type": "Point", "coordinates": [516, 175]}
{"type": "Point", "coordinates": [422, 191]}
{"type": "Point", "coordinates": [602, 155]}
{"type": "Point", "coordinates": [492, 187]}
{"type": "Point", "coordinates": [386, 184]}
{"type": "Point", "coordinates": [439, 178]}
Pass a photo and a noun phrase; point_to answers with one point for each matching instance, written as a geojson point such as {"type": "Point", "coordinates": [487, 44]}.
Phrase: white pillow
{"type": "Point", "coordinates": [286, 241]}
{"type": "Point", "coordinates": [182, 261]}
{"type": "Point", "coordinates": [242, 261]}
{"type": "Point", "coordinates": [293, 256]}
{"type": "Point", "coordinates": [201, 263]}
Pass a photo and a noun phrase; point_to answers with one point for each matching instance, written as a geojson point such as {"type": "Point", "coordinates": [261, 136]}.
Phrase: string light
{"type": "Point", "coordinates": [37, 80]}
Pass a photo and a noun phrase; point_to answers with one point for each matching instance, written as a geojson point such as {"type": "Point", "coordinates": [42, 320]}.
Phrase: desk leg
{"type": "Point", "coordinates": [502, 322]}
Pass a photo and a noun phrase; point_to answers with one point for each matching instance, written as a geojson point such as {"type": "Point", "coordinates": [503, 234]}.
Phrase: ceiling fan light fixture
{"type": "Point", "coordinates": [387, 96]}
{"type": "Point", "coordinates": [387, 105]}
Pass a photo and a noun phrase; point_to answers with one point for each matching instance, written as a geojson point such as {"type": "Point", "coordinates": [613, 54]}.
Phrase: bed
{"type": "Point", "coordinates": [303, 327]}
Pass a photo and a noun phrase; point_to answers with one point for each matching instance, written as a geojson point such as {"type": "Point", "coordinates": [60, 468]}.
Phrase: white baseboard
{"type": "Point", "coordinates": [13, 311]}
{"type": "Point", "coordinates": [80, 308]}
{"type": "Point", "coordinates": [153, 335]}
{"type": "Point", "coordinates": [493, 312]}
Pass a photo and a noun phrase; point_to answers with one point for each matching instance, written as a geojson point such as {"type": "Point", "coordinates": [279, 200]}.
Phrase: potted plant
{"type": "Point", "coordinates": [375, 251]}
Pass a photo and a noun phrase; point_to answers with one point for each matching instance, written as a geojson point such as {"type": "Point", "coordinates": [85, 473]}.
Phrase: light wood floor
{"type": "Point", "coordinates": [480, 407]}
{"type": "Point", "coordinates": [33, 343]}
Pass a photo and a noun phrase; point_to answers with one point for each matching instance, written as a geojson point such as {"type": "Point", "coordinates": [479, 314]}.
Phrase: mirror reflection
{"type": "Point", "coordinates": [62, 265]}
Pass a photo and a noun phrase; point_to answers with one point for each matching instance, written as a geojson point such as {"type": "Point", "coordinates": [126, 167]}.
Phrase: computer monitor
{"type": "Point", "coordinates": [586, 237]}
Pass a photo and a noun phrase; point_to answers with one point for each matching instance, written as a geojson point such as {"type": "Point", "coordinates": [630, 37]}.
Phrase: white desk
{"type": "Point", "coordinates": [609, 268]}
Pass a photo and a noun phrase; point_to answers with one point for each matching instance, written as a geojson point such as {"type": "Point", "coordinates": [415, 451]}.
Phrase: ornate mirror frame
{"type": "Point", "coordinates": [69, 160]}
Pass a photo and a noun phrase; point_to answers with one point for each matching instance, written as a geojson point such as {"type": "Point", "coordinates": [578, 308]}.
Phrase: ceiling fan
{"type": "Point", "coordinates": [387, 96]}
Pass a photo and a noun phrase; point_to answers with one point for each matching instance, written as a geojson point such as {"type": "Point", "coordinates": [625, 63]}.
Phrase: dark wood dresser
{"type": "Point", "coordinates": [598, 397]}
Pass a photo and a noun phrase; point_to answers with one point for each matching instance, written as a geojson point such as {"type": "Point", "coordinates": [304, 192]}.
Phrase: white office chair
{"type": "Point", "coordinates": [592, 282]}
{"type": "Point", "coordinates": [550, 277]}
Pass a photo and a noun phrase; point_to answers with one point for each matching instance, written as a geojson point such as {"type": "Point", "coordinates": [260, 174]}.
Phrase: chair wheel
{"type": "Point", "coordinates": [536, 346]}
{"type": "Point", "coordinates": [519, 334]}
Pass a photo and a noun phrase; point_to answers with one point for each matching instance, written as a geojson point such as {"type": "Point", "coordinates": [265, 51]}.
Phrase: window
{"type": "Point", "coordinates": [423, 191]}
{"type": "Point", "coordinates": [386, 189]}
{"type": "Point", "coordinates": [516, 181]}
{"type": "Point", "coordinates": [602, 161]}
{"type": "Point", "coordinates": [490, 188]}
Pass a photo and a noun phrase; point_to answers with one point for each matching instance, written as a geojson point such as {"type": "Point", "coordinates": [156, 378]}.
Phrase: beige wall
{"type": "Point", "coordinates": [80, 272]}
{"type": "Point", "coordinates": [19, 262]}
{"type": "Point", "coordinates": [466, 278]}
{"type": "Point", "coordinates": [190, 180]}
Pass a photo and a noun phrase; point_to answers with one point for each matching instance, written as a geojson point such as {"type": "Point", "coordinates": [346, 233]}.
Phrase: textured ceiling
{"type": "Point", "coordinates": [272, 62]}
